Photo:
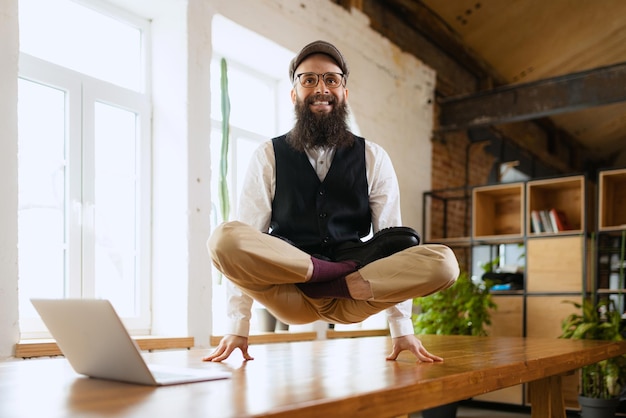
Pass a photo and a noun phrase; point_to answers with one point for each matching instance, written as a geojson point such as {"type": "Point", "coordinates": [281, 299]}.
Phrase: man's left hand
{"type": "Point", "coordinates": [415, 346]}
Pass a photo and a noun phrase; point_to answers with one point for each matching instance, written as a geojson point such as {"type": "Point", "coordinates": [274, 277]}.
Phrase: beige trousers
{"type": "Point", "coordinates": [266, 268]}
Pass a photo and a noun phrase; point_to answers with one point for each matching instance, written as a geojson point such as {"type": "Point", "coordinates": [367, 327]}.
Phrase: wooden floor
{"type": "Point", "coordinates": [473, 410]}
{"type": "Point", "coordinates": [465, 412]}
{"type": "Point", "coordinates": [477, 412]}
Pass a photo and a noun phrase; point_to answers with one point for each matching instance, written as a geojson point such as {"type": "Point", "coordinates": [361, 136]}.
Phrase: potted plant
{"type": "Point", "coordinates": [462, 309]}
{"type": "Point", "coordinates": [601, 383]}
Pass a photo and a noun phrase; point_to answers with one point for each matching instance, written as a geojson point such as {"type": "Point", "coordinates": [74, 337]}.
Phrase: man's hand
{"type": "Point", "coordinates": [414, 345]}
{"type": "Point", "coordinates": [227, 345]}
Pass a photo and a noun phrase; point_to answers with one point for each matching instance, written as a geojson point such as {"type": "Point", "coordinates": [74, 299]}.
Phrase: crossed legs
{"type": "Point", "coordinates": [269, 270]}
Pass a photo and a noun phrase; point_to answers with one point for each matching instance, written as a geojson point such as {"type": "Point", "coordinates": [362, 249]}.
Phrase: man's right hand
{"type": "Point", "coordinates": [227, 345]}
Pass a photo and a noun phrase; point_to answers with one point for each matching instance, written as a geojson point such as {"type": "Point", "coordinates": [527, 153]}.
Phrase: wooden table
{"type": "Point", "coordinates": [330, 378]}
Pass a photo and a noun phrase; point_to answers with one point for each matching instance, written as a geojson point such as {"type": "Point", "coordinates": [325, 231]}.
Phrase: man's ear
{"type": "Point", "coordinates": [293, 95]}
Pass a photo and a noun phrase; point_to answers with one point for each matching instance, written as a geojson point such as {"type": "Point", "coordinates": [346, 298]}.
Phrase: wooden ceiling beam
{"type": "Point", "coordinates": [452, 77]}
{"type": "Point", "coordinates": [542, 98]}
{"type": "Point", "coordinates": [349, 4]}
{"type": "Point", "coordinates": [419, 16]}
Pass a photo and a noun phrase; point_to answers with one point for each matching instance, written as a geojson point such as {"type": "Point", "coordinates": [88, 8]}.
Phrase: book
{"type": "Point", "coordinates": [558, 220]}
{"type": "Point", "coordinates": [535, 222]}
{"type": "Point", "coordinates": [545, 221]}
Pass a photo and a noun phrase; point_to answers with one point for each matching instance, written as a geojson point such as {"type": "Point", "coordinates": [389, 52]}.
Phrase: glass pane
{"type": "Point", "coordinates": [79, 38]}
{"type": "Point", "coordinates": [216, 211]}
{"type": "Point", "coordinates": [115, 202]}
{"type": "Point", "coordinates": [240, 152]}
{"type": "Point", "coordinates": [41, 196]}
{"type": "Point", "coordinates": [252, 99]}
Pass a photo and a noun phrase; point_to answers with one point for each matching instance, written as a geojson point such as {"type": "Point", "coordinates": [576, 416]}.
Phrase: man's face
{"type": "Point", "coordinates": [319, 99]}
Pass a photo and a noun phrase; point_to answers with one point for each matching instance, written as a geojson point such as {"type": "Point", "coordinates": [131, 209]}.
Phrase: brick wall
{"type": "Point", "coordinates": [457, 164]}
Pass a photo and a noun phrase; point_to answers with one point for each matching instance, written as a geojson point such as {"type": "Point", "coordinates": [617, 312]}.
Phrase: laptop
{"type": "Point", "coordinates": [94, 340]}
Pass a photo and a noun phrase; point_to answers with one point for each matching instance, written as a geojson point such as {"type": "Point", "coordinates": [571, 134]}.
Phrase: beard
{"type": "Point", "coordinates": [320, 130]}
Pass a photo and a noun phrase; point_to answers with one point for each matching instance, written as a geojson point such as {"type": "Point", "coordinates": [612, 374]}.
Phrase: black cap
{"type": "Point", "coordinates": [319, 47]}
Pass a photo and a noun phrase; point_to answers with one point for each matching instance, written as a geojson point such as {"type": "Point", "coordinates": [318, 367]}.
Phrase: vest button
{"type": "Point", "coordinates": [323, 215]}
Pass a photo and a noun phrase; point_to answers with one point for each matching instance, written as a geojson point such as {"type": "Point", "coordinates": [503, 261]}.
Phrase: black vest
{"type": "Point", "coordinates": [316, 215]}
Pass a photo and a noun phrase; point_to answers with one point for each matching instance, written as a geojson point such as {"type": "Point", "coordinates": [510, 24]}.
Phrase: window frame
{"type": "Point", "coordinates": [82, 92]}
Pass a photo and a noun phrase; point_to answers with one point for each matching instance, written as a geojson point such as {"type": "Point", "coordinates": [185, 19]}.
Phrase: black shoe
{"type": "Point", "coordinates": [384, 243]}
{"type": "Point", "coordinates": [287, 240]}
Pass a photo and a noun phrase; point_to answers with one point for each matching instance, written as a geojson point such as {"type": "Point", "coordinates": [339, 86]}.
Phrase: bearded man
{"type": "Point", "coordinates": [309, 199]}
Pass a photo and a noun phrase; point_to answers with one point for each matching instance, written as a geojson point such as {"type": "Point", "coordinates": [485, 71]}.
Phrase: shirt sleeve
{"type": "Point", "coordinates": [385, 207]}
{"type": "Point", "coordinates": [257, 193]}
{"type": "Point", "coordinates": [399, 317]}
{"type": "Point", "coordinates": [255, 209]}
{"type": "Point", "coordinates": [238, 311]}
{"type": "Point", "coordinates": [383, 188]}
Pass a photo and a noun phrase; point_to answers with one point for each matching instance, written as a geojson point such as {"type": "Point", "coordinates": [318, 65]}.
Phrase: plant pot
{"type": "Point", "coordinates": [443, 411]}
{"type": "Point", "coordinates": [266, 321]}
{"type": "Point", "coordinates": [281, 326]}
{"type": "Point", "coordinates": [597, 408]}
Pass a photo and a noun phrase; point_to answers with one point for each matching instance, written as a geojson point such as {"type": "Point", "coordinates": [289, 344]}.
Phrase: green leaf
{"type": "Point", "coordinates": [598, 321]}
{"type": "Point", "coordinates": [462, 309]}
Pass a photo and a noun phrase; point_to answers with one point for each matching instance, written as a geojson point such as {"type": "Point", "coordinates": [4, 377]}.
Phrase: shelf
{"type": "Point", "coordinates": [507, 292]}
{"type": "Point", "coordinates": [498, 211]}
{"type": "Point", "coordinates": [451, 242]}
{"type": "Point", "coordinates": [611, 291]}
{"type": "Point", "coordinates": [446, 216]}
{"type": "Point", "coordinates": [564, 194]}
{"type": "Point", "coordinates": [272, 337]}
{"type": "Point", "coordinates": [611, 263]}
{"type": "Point", "coordinates": [555, 264]}
{"type": "Point", "coordinates": [49, 347]}
{"type": "Point", "coordinates": [612, 200]}
{"type": "Point", "coordinates": [498, 239]}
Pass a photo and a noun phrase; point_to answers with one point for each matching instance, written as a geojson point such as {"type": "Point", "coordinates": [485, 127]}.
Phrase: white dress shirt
{"type": "Point", "coordinates": [255, 209]}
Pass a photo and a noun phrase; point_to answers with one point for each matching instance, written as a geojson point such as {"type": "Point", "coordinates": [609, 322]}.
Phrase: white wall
{"type": "Point", "coordinates": [390, 96]}
{"type": "Point", "coordinates": [9, 332]}
{"type": "Point", "coordinates": [391, 93]}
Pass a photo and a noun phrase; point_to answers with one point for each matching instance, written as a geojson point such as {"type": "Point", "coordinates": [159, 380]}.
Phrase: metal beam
{"type": "Point", "coordinates": [515, 103]}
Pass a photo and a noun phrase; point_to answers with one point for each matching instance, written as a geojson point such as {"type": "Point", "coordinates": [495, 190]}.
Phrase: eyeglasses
{"type": "Point", "coordinates": [332, 80]}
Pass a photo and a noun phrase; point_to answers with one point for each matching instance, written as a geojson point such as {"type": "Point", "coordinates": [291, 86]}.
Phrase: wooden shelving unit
{"type": "Point", "coordinates": [556, 265]}
{"type": "Point", "coordinates": [498, 212]}
{"type": "Point", "coordinates": [612, 200]}
{"type": "Point", "coordinates": [446, 216]}
{"type": "Point", "coordinates": [557, 259]}
{"type": "Point", "coordinates": [565, 194]}
{"type": "Point", "coordinates": [610, 241]}
{"type": "Point", "coordinates": [498, 220]}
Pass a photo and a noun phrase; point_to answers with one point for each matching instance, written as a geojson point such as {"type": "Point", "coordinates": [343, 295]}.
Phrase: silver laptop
{"type": "Point", "coordinates": [94, 340]}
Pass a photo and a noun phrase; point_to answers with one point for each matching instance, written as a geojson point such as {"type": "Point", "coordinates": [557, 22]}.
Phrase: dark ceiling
{"type": "Point", "coordinates": [560, 64]}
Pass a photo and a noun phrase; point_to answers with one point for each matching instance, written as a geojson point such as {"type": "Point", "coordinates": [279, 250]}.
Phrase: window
{"type": "Point", "coordinates": [84, 159]}
{"type": "Point", "coordinates": [258, 88]}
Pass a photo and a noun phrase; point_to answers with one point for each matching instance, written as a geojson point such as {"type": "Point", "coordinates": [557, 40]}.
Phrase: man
{"type": "Point", "coordinates": [308, 199]}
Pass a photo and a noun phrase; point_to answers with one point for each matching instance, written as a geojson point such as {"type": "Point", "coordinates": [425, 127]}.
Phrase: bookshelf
{"type": "Point", "coordinates": [498, 212]}
{"type": "Point", "coordinates": [446, 216]}
{"type": "Point", "coordinates": [565, 195]}
{"type": "Point", "coordinates": [556, 262]}
{"type": "Point", "coordinates": [556, 265]}
{"type": "Point", "coordinates": [557, 257]}
{"type": "Point", "coordinates": [611, 267]}
{"type": "Point", "coordinates": [610, 240]}
{"type": "Point", "coordinates": [612, 200]}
